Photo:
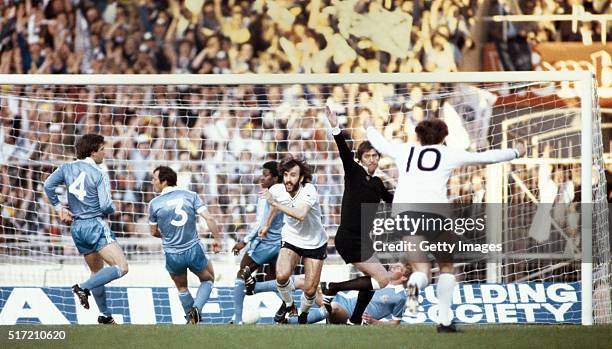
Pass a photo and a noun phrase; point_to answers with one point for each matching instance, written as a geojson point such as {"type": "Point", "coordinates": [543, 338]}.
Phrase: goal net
{"type": "Point", "coordinates": [217, 131]}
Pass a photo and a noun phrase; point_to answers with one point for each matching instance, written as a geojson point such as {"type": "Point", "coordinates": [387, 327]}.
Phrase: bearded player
{"type": "Point", "coordinates": [303, 235]}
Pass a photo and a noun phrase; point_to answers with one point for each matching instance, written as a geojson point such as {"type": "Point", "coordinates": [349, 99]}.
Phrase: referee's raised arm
{"type": "Point", "coordinates": [346, 155]}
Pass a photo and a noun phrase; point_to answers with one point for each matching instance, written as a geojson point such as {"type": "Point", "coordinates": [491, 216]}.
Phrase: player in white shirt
{"type": "Point", "coordinates": [303, 235]}
{"type": "Point", "coordinates": [424, 170]}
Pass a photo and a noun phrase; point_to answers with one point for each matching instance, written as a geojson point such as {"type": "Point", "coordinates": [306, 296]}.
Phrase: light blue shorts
{"type": "Point", "coordinates": [91, 235]}
{"type": "Point", "coordinates": [261, 252]}
{"type": "Point", "coordinates": [348, 304]}
{"type": "Point", "coordinates": [192, 258]}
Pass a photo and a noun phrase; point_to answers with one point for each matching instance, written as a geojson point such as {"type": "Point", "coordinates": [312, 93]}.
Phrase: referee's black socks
{"type": "Point", "coordinates": [363, 299]}
{"type": "Point", "coordinates": [363, 283]}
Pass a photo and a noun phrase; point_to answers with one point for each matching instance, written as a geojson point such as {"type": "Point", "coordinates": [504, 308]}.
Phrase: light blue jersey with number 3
{"type": "Point", "coordinates": [89, 194]}
{"type": "Point", "coordinates": [174, 212]}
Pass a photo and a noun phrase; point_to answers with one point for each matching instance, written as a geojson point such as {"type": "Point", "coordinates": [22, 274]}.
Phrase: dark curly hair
{"type": "Point", "coordinates": [432, 131]}
{"type": "Point", "coordinates": [88, 144]}
{"type": "Point", "coordinates": [290, 162]}
{"type": "Point", "coordinates": [272, 166]}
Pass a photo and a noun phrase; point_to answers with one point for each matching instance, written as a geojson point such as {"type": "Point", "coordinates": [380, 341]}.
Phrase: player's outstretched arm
{"type": "Point", "coordinates": [263, 230]}
{"type": "Point", "coordinates": [214, 228]}
{"type": "Point", "coordinates": [380, 142]}
{"type": "Point", "coordinates": [490, 156]}
{"type": "Point", "coordinates": [298, 212]}
{"type": "Point", "coordinates": [54, 180]}
{"type": "Point", "coordinates": [154, 230]}
{"type": "Point", "coordinates": [260, 221]}
{"type": "Point", "coordinates": [346, 155]}
{"type": "Point", "coordinates": [370, 320]}
{"type": "Point", "coordinates": [104, 196]}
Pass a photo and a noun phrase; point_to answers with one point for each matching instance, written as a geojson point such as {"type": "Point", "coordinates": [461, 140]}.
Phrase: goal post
{"type": "Point", "coordinates": [562, 130]}
{"type": "Point", "coordinates": [587, 91]}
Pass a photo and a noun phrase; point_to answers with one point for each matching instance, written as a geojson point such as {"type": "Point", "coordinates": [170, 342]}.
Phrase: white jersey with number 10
{"type": "Point", "coordinates": [424, 170]}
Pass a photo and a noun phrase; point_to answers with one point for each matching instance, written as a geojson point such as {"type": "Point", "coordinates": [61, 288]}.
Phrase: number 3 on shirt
{"type": "Point", "coordinates": [179, 211]}
{"type": "Point", "coordinates": [77, 188]}
{"type": "Point", "coordinates": [420, 159]}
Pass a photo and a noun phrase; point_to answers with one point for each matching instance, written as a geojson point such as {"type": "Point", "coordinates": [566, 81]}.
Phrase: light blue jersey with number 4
{"type": "Point", "coordinates": [174, 212]}
{"type": "Point", "coordinates": [88, 187]}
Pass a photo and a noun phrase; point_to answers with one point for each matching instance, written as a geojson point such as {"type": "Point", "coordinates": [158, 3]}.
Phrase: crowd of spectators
{"type": "Point", "coordinates": [546, 30]}
{"type": "Point", "coordinates": [214, 36]}
{"type": "Point", "coordinates": [215, 137]}
{"type": "Point", "coordinates": [218, 152]}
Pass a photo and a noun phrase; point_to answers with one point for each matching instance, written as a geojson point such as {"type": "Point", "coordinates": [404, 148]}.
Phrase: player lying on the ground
{"type": "Point", "coordinates": [426, 168]}
{"type": "Point", "coordinates": [261, 249]}
{"type": "Point", "coordinates": [303, 235]}
{"type": "Point", "coordinates": [89, 202]}
{"type": "Point", "coordinates": [387, 301]}
{"type": "Point", "coordinates": [172, 217]}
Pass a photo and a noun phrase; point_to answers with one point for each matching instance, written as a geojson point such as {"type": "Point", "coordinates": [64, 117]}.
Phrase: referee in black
{"type": "Point", "coordinates": [360, 186]}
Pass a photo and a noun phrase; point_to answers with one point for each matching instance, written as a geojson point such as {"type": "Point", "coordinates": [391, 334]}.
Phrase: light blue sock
{"type": "Point", "coordinates": [103, 277]}
{"type": "Point", "coordinates": [270, 286]}
{"type": "Point", "coordinates": [314, 315]}
{"type": "Point", "coordinates": [265, 286]}
{"type": "Point", "coordinates": [99, 294]}
{"type": "Point", "coordinates": [203, 294]}
{"type": "Point", "coordinates": [239, 299]}
{"type": "Point", "coordinates": [186, 300]}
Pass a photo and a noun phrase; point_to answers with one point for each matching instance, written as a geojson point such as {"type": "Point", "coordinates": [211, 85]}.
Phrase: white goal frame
{"type": "Point", "coordinates": [584, 79]}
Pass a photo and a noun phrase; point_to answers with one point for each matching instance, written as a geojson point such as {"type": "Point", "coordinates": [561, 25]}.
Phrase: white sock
{"type": "Point", "coordinates": [284, 292]}
{"type": "Point", "coordinates": [418, 278]}
{"type": "Point", "coordinates": [445, 287]}
{"type": "Point", "coordinates": [306, 303]}
{"type": "Point", "coordinates": [375, 284]}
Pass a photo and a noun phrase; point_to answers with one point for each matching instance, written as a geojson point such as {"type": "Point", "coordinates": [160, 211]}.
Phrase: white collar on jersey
{"type": "Point", "coordinates": [90, 161]}
{"type": "Point", "coordinates": [365, 168]}
{"type": "Point", "coordinates": [169, 190]}
{"type": "Point", "coordinates": [397, 288]}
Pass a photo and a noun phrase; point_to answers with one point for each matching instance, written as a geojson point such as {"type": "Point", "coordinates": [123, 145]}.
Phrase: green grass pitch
{"type": "Point", "coordinates": [317, 336]}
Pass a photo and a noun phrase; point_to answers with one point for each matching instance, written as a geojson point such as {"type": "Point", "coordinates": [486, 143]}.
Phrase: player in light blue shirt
{"type": "Point", "coordinates": [389, 301]}
{"type": "Point", "coordinates": [261, 249]}
{"type": "Point", "coordinates": [89, 202]}
{"type": "Point", "coordinates": [172, 217]}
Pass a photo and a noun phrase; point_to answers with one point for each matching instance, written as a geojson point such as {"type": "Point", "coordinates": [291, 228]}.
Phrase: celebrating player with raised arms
{"type": "Point", "coordinates": [261, 249]}
{"type": "Point", "coordinates": [352, 241]}
{"type": "Point", "coordinates": [172, 217]}
{"type": "Point", "coordinates": [89, 202]}
{"type": "Point", "coordinates": [424, 171]}
{"type": "Point", "coordinates": [303, 235]}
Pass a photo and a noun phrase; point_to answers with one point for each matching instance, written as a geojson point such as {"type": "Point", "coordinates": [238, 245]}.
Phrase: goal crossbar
{"type": "Point", "coordinates": [288, 79]}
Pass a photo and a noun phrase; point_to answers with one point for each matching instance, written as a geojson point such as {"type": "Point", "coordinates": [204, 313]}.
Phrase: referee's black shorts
{"type": "Point", "coordinates": [352, 247]}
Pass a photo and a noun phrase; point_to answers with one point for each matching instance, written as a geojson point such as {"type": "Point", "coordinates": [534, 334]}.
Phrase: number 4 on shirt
{"type": "Point", "coordinates": [77, 188]}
